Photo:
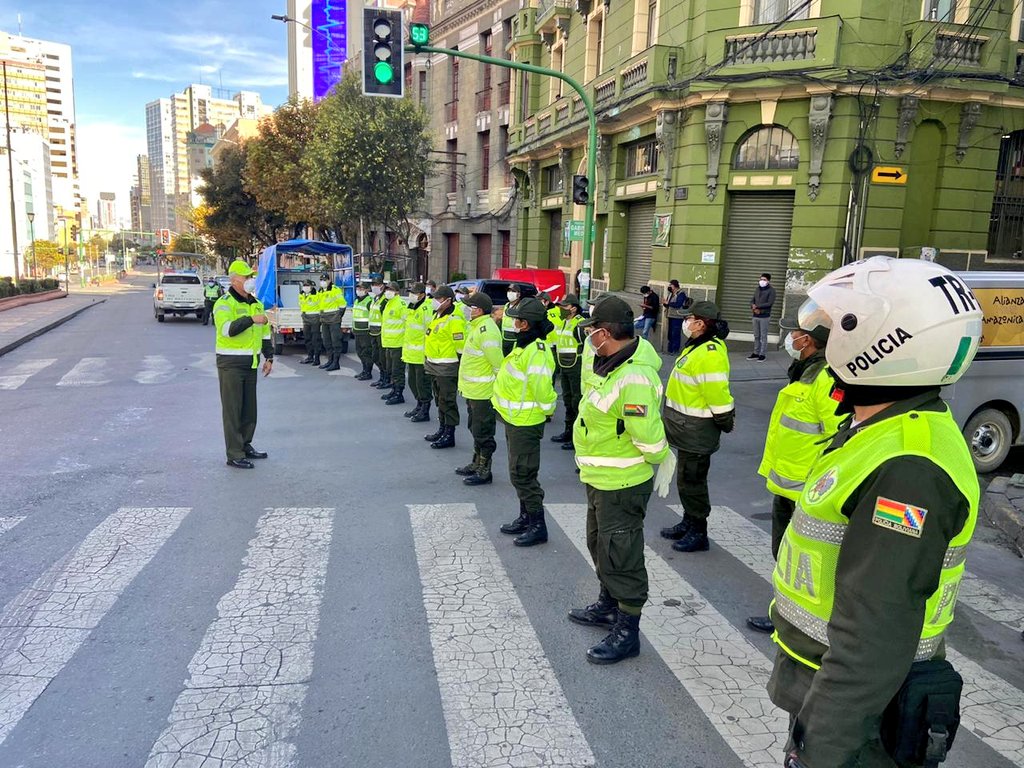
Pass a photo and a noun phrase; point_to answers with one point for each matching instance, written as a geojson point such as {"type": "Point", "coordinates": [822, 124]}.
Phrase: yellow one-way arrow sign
{"type": "Point", "coordinates": [888, 174]}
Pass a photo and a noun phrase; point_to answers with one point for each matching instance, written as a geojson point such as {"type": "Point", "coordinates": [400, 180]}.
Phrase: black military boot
{"type": "Point", "coordinates": [387, 395]}
{"type": "Point", "coordinates": [623, 642]}
{"type": "Point", "coordinates": [536, 531]}
{"type": "Point", "coordinates": [564, 436]}
{"type": "Point", "coordinates": [518, 525]}
{"type": "Point", "coordinates": [384, 382]}
{"type": "Point", "coordinates": [447, 439]}
{"type": "Point", "coordinates": [335, 360]}
{"type": "Point", "coordinates": [397, 397]}
{"type": "Point", "coordinates": [316, 360]}
{"type": "Point", "coordinates": [678, 530]}
{"type": "Point", "coordinates": [469, 469]}
{"type": "Point", "coordinates": [696, 539]}
{"type": "Point", "coordinates": [482, 476]}
{"type": "Point", "coordinates": [423, 414]}
{"type": "Point", "coordinates": [330, 361]}
{"type": "Point", "coordinates": [307, 359]}
{"type": "Point", "coordinates": [603, 613]}
{"type": "Point", "coordinates": [414, 411]}
{"type": "Point", "coordinates": [435, 435]}
{"type": "Point", "coordinates": [363, 375]}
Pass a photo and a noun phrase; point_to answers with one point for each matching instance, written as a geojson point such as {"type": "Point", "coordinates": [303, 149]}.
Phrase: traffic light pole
{"type": "Point", "coordinates": [588, 215]}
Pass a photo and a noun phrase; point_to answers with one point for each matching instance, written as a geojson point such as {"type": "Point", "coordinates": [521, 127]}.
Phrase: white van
{"type": "Point", "coordinates": [988, 402]}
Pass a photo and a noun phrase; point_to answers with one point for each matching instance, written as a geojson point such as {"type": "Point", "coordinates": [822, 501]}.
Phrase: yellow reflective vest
{"type": "Point", "coordinates": [309, 303]}
{"type": "Point", "coordinates": [619, 433]}
{"type": "Point", "coordinates": [481, 359]}
{"type": "Point", "coordinates": [523, 393]}
{"type": "Point", "coordinates": [587, 376]}
{"type": "Point", "coordinates": [376, 314]}
{"type": "Point", "coordinates": [361, 315]}
{"type": "Point", "coordinates": [446, 337]}
{"type": "Point", "coordinates": [331, 300]}
{"type": "Point", "coordinates": [416, 322]}
{"type": "Point", "coordinates": [567, 346]}
{"type": "Point", "coordinates": [248, 342]}
{"type": "Point", "coordinates": [393, 322]}
{"type": "Point", "coordinates": [699, 383]}
{"type": "Point", "coordinates": [555, 318]}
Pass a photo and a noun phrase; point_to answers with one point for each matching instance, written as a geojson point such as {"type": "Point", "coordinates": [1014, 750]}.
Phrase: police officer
{"type": "Point", "coordinates": [619, 435]}
{"type": "Point", "coordinates": [211, 292]}
{"type": "Point", "coordinates": [332, 307]}
{"type": "Point", "coordinates": [242, 335]}
{"type": "Point", "coordinates": [309, 305]}
{"type": "Point", "coordinates": [524, 398]}
{"type": "Point", "coordinates": [361, 330]}
{"type": "Point", "coordinates": [555, 318]}
{"type": "Point", "coordinates": [481, 359]}
{"type": "Point", "coordinates": [376, 323]}
{"type": "Point", "coordinates": [416, 321]}
{"type": "Point", "coordinates": [803, 417]}
{"type": "Point", "coordinates": [869, 568]}
{"type": "Point", "coordinates": [393, 316]}
{"type": "Point", "coordinates": [569, 341]}
{"type": "Point", "coordinates": [446, 337]}
{"type": "Point", "coordinates": [508, 332]}
{"type": "Point", "coordinates": [698, 408]}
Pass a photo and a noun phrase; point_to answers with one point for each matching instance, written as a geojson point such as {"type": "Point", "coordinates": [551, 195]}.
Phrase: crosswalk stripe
{"type": "Point", "coordinates": [502, 703]}
{"type": "Point", "coordinates": [206, 362]}
{"type": "Point", "coordinates": [7, 523]}
{"type": "Point", "coordinates": [248, 680]}
{"type": "Point", "coordinates": [991, 708]}
{"type": "Point", "coordinates": [22, 372]}
{"type": "Point", "coordinates": [88, 372]}
{"type": "Point", "coordinates": [723, 672]}
{"type": "Point", "coordinates": [156, 369]}
{"type": "Point", "coordinates": [43, 626]}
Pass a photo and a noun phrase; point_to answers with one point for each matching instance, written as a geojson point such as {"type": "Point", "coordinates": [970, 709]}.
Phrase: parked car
{"type": "Point", "coordinates": [551, 281]}
{"type": "Point", "coordinates": [497, 290]}
{"type": "Point", "coordinates": [178, 293]}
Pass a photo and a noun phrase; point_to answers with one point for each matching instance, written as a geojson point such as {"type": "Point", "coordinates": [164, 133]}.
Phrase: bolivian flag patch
{"type": "Point", "coordinates": [634, 410]}
{"type": "Point", "coordinates": [898, 516]}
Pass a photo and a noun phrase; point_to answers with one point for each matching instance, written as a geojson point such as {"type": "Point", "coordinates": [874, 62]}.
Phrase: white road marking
{"type": "Point", "coordinates": [205, 362]}
{"type": "Point", "coordinates": [247, 682]}
{"type": "Point", "coordinates": [723, 672]}
{"type": "Point", "coordinates": [992, 601]}
{"type": "Point", "coordinates": [991, 707]}
{"type": "Point", "coordinates": [156, 369]}
{"type": "Point", "coordinates": [88, 372]}
{"type": "Point", "coordinates": [22, 372]}
{"type": "Point", "coordinates": [502, 702]}
{"type": "Point", "coordinates": [43, 627]}
{"type": "Point", "coordinates": [7, 523]}
{"type": "Point", "coordinates": [282, 370]}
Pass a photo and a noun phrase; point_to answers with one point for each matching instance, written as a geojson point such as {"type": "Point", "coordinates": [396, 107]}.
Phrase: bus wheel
{"type": "Point", "coordinates": [989, 435]}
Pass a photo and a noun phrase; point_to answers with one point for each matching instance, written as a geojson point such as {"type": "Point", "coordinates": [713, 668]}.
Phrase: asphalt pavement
{"type": "Point", "coordinates": [350, 603]}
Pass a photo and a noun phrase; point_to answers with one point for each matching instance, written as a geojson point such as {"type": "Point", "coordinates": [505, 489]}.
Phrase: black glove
{"type": "Point", "coordinates": [725, 421]}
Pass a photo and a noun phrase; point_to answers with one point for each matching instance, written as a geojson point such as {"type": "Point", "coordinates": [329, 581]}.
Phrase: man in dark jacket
{"type": "Point", "coordinates": [674, 304]}
{"type": "Point", "coordinates": [761, 308]}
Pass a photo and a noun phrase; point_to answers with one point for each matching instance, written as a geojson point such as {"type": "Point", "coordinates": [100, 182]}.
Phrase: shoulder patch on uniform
{"type": "Point", "coordinates": [634, 409]}
{"type": "Point", "coordinates": [899, 516]}
{"type": "Point", "coordinates": [457, 337]}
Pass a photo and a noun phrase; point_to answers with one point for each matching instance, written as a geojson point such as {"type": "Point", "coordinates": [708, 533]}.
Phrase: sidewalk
{"type": "Point", "coordinates": [22, 324]}
{"type": "Point", "coordinates": [1003, 505]}
{"type": "Point", "coordinates": [741, 369]}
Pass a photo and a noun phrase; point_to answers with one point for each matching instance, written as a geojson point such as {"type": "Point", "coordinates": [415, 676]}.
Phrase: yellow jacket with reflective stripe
{"type": "Point", "coordinates": [567, 347]}
{"type": "Point", "coordinates": [416, 333]}
{"type": "Point", "coordinates": [248, 342]}
{"type": "Point", "coordinates": [376, 314]}
{"type": "Point", "coordinates": [555, 318]}
{"type": "Point", "coordinates": [361, 314]}
{"type": "Point", "coordinates": [523, 393]}
{"type": "Point", "coordinates": [619, 433]}
{"type": "Point", "coordinates": [803, 418]}
{"type": "Point", "coordinates": [507, 324]}
{"type": "Point", "coordinates": [587, 376]}
{"type": "Point", "coordinates": [393, 322]}
{"type": "Point", "coordinates": [332, 299]}
{"type": "Point", "coordinates": [699, 383]}
{"type": "Point", "coordinates": [805, 573]}
{"type": "Point", "coordinates": [309, 303]}
{"type": "Point", "coordinates": [446, 337]}
{"type": "Point", "coordinates": [481, 359]}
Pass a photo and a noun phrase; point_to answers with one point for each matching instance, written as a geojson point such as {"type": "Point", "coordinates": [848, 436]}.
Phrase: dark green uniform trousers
{"type": "Point", "coordinates": [311, 334]}
{"type": "Point", "coordinates": [524, 464]}
{"type": "Point", "coordinates": [419, 382]}
{"type": "Point", "coordinates": [375, 353]}
{"type": "Point", "coordinates": [237, 402]}
{"type": "Point", "coordinates": [364, 348]}
{"type": "Point", "coordinates": [445, 390]}
{"type": "Point", "coordinates": [615, 538]}
{"type": "Point", "coordinates": [482, 425]}
{"type": "Point", "coordinates": [692, 482]}
{"type": "Point", "coordinates": [330, 331]}
{"type": "Point", "coordinates": [571, 392]}
{"type": "Point", "coordinates": [395, 366]}
{"type": "Point", "coordinates": [782, 513]}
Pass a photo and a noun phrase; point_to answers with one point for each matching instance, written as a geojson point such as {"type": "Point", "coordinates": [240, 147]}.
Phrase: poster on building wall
{"type": "Point", "coordinates": [330, 44]}
{"type": "Point", "coordinates": [662, 227]}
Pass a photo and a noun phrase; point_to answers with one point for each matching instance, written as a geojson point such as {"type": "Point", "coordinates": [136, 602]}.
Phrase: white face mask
{"type": "Point", "coordinates": [323, 283]}
{"type": "Point", "coordinates": [763, 283]}
{"type": "Point", "coordinates": [375, 290]}
{"type": "Point", "coordinates": [249, 285]}
{"type": "Point", "coordinates": [687, 332]}
{"type": "Point", "coordinates": [791, 349]}
{"type": "Point", "coordinates": [361, 294]}
{"type": "Point", "coordinates": [512, 295]}
{"type": "Point", "coordinates": [435, 304]}
{"type": "Point", "coordinates": [389, 295]}
{"type": "Point", "coordinates": [307, 289]}
{"type": "Point", "coordinates": [429, 290]}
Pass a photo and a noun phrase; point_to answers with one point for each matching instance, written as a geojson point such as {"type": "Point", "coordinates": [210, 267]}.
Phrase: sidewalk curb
{"type": "Point", "coordinates": [997, 504]}
{"type": "Point", "coordinates": [40, 331]}
{"type": "Point", "coordinates": [26, 299]}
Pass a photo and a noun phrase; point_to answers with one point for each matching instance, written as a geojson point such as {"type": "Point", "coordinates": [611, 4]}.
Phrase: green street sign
{"type": "Point", "coordinates": [576, 230]}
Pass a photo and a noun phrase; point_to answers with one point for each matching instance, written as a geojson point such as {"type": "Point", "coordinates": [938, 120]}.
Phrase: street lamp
{"type": "Point", "coordinates": [32, 239]}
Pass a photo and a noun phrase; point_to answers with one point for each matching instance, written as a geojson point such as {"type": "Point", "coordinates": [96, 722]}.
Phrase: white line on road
{"type": "Point", "coordinates": [7, 523]}
{"type": "Point", "coordinates": [156, 369]}
{"type": "Point", "coordinates": [247, 682]}
{"type": "Point", "coordinates": [43, 626]}
{"type": "Point", "coordinates": [502, 702]}
{"type": "Point", "coordinates": [88, 372]}
{"type": "Point", "coordinates": [282, 370]}
{"type": "Point", "coordinates": [718, 666]}
{"type": "Point", "coordinates": [205, 362]}
{"type": "Point", "coordinates": [22, 372]}
{"type": "Point", "coordinates": [991, 707]}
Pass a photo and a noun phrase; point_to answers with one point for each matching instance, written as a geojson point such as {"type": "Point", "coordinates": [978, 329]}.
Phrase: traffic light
{"type": "Point", "coordinates": [419, 34]}
{"type": "Point", "coordinates": [383, 73]}
{"type": "Point", "coordinates": [74, 232]}
{"type": "Point", "coordinates": [580, 190]}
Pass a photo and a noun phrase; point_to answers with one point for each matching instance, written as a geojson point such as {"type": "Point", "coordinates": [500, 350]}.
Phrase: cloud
{"type": "Point", "coordinates": [107, 158]}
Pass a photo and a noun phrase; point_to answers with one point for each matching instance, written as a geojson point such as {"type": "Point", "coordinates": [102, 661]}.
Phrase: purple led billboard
{"type": "Point", "coordinates": [330, 44]}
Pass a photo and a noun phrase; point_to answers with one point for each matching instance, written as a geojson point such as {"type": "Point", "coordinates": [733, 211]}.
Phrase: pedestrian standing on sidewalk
{"type": "Point", "coordinates": [649, 306]}
{"type": "Point", "coordinates": [761, 307]}
{"type": "Point", "coordinates": [675, 304]}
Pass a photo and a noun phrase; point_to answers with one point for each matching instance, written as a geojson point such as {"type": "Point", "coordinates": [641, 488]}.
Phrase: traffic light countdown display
{"type": "Point", "coordinates": [383, 73]}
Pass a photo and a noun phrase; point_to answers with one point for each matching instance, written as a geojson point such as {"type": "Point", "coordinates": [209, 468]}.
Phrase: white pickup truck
{"type": "Point", "coordinates": [178, 293]}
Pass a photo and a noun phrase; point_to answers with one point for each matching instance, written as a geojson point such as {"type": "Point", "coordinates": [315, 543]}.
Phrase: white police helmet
{"type": "Point", "coordinates": [895, 322]}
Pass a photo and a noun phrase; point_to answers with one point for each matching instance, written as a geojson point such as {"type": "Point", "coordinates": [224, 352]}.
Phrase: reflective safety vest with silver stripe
{"type": "Point", "coordinates": [567, 347]}
{"type": "Point", "coordinates": [376, 314]}
{"type": "Point", "coordinates": [587, 376]}
{"type": "Point", "coordinates": [248, 342]}
{"type": "Point", "coordinates": [523, 393]}
{"type": "Point", "coordinates": [481, 359]}
{"type": "Point", "coordinates": [309, 304]}
{"type": "Point", "coordinates": [393, 323]}
{"type": "Point", "coordinates": [361, 314]}
{"type": "Point", "coordinates": [331, 300]}
{"type": "Point", "coordinates": [508, 325]}
{"type": "Point", "coordinates": [446, 336]}
{"type": "Point", "coordinates": [699, 384]}
{"type": "Point", "coordinates": [803, 418]}
{"type": "Point", "coordinates": [805, 573]}
{"type": "Point", "coordinates": [555, 318]}
{"type": "Point", "coordinates": [416, 333]}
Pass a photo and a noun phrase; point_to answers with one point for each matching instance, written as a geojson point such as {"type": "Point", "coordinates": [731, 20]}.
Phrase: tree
{"type": "Point", "coordinates": [368, 159]}
{"type": "Point", "coordinates": [187, 244]}
{"type": "Point", "coordinates": [46, 255]}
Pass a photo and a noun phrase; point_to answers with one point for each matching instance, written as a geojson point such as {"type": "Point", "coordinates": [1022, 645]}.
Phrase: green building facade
{"type": "Point", "coordinates": [779, 136]}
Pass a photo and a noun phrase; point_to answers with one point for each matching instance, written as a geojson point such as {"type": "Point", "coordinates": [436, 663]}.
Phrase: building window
{"type": "Point", "coordinates": [557, 64]}
{"type": "Point", "coordinates": [554, 181]}
{"type": "Point", "coordinates": [487, 46]}
{"type": "Point", "coordinates": [424, 90]}
{"type": "Point", "coordinates": [452, 159]}
{"type": "Point", "coordinates": [769, 148]}
{"type": "Point", "coordinates": [652, 22]}
{"type": "Point", "coordinates": [940, 10]}
{"type": "Point", "coordinates": [1006, 223]}
{"type": "Point", "coordinates": [454, 79]}
{"type": "Point", "coordinates": [771, 11]}
{"type": "Point", "coordinates": [523, 97]}
{"type": "Point", "coordinates": [503, 149]}
{"type": "Point", "coordinates": [642, 158]}
{"type": "Point", "coordinates": [485, 160]}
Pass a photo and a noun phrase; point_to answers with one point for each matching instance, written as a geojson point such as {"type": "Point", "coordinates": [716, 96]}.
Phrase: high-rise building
{"type": "Point", "coordinates": [141, 199]}
{"type": "Point", "coordinates": [200, 144]}
{"type": "Point", "coordinates": [33, 199]}
{"type": "Point", "coordinates": [106, 211]}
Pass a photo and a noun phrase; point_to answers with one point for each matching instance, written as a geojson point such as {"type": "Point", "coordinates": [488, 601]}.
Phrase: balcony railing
{"type": "Point", "coordinates": [635, 76]}
{"type": "Point", "coordinates": [546, 7]}
{"type": "Point", "coordinates": [958, 50]}
{"type": "Point", "coordinates": [504, 91]}
{"type": "Point", "coordinates": [483, 100]}
{"type": "Point", "coordinates": [562, 114]}
{"type": "Point", "coordinates": [604, 91]}
{"type": "Point", "coordinates": [451, 111]}
{"type": "Point", "coordinates": [796, 45]}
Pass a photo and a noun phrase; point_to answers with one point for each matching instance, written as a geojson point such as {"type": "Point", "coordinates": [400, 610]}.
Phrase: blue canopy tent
{"type": "Point", "coordinates": [339, 257]}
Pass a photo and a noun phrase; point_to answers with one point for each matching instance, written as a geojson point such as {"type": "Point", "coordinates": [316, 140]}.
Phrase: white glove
{"type": "Point", "coordinates": [666, 474]}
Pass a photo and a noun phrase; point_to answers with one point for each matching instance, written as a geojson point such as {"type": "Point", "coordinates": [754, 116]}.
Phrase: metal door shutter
{"type": "Point", "coordinates": [639, 239]}
{"type": "Point", "coordinates": [760, 226]}
{"type": "Point", "coordinates": [483, 256]}
{"type": "Point", "coordinates": [554, 240]}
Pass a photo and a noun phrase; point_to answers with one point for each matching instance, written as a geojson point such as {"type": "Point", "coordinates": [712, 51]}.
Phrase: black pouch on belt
{"type": "Point", "coordinates": [920, 723]}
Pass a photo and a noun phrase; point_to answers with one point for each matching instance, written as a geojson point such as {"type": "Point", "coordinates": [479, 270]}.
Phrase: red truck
{"type": "Point", "coordinates": [551, 281]}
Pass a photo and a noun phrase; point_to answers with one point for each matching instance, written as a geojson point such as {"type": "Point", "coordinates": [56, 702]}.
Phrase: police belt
{"type": "Point", "coordinates": [920, 723]}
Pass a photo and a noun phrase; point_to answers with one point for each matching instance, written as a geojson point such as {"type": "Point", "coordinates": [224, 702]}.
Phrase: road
{"type": "Point", "coordinates": [349, 603]}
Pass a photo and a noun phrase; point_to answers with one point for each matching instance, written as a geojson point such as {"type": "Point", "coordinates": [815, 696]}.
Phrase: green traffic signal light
{"type": "Point", "coordinates": [419, 34]}
{"type": "Point", "coordinates": [383, 73]}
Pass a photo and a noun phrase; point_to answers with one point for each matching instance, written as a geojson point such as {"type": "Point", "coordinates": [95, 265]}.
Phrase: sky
{"type": "Point", "coordinates": [126, 53]}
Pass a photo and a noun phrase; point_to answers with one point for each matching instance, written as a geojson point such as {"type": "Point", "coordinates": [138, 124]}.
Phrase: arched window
{"type": "Point", "coordinates": [768, 148]}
